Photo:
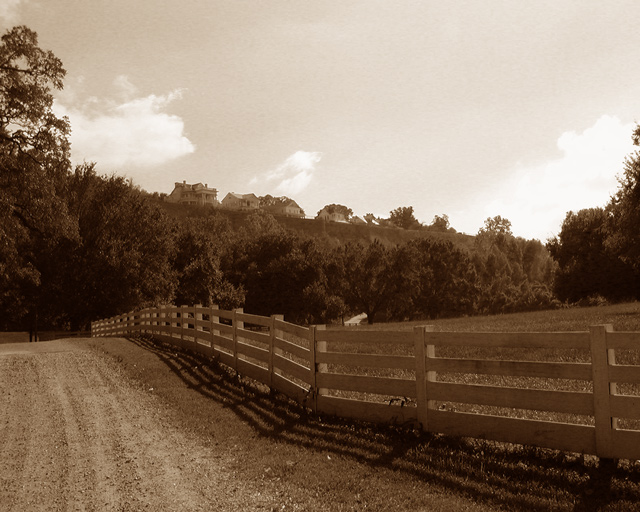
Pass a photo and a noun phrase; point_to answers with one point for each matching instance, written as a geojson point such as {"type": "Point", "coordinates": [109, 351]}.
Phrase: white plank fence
{"type": "Point", "coordinates": [401, 376]}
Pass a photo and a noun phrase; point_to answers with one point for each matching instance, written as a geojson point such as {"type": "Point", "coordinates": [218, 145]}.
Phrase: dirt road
{"type": "Point", "coordinates": [75, 434]}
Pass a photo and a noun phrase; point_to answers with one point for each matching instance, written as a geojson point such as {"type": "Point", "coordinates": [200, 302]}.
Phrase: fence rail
{"type": "Point", "coordinates": [478, 385]}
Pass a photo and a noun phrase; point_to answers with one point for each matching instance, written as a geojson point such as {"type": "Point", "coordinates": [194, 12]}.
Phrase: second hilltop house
{"type": "Point", "coordinates": [196, 194]}
{"type": "Point", "coordinates": [331, 214]}
{"type": "Point", "coordinates": [288, 209]}
{"type": "Point", "coordinates": [235, 201]}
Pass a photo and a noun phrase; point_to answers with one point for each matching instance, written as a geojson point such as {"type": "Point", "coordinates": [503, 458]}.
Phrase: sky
{"type": "Point", "coordinates": [469, 109]}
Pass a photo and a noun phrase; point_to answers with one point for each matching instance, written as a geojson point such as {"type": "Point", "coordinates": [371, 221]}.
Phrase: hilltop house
{"type": "Point", "coordinates": [329, 214]}
{"type": "Point", "coordinates": [198, 194]}
{"type": "Point", "coordinates": [235, 201]}
{"type": "Point", "coordinates": [288, 209]}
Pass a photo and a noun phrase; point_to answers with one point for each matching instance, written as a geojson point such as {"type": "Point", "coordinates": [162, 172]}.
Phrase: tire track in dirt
{"type": "Point", "coordinates": [77, 435]}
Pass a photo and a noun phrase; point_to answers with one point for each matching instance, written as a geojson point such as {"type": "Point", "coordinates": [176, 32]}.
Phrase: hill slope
{"type": "Point", "coordinates": [320, 229]}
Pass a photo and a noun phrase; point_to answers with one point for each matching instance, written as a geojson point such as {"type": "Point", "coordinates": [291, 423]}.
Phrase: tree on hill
{"type": "Point", "coordinates": [440, 223]}
{"type": "Point", "coordinates": [402, 217]}
{"type": "Point", "coordinates": [269, 200]}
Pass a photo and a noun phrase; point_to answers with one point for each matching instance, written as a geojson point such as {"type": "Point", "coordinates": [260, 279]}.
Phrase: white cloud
{"type": "Point", "coordinates": [293, 175]}
{"type": "Point", "coordinates": [537, 198]}
{"type": "Point", "coordinates": [9, 11]}
{"type": "Point", "coordinates": [133, 132]}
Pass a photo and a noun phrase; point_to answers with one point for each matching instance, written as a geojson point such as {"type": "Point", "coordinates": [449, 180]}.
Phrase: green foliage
{"type": "Point", "coordinates": [402, 217]}
{"type": "Point", "coordinates": [121, 260]}
{"type": "Point", "coordinates": [440, 223]}
{"type": "Point", "coordinates": [624, 210]}
{"type": "Point", "coordinates": [587, 266]}
{"type": "Point", "coordinates": [514, 274]}
{"type": "Point", "coordinates": [598, 250]}
{"type": "Point", "coordinates": [369, 278]}
{"type": "Point", "coordinates": [447, 282]}
{"type": "Point", "coordinates": [34, 152]}
{"type": "Point", "coordinates": [200, 244]}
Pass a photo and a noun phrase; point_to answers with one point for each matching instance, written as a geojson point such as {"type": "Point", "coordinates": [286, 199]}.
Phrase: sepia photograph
{"type": "Point", "coordinates": [319, 255]}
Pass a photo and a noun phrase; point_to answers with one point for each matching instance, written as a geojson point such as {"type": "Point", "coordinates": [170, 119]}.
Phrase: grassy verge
{"type": "Point", "coordinates": [624, 317]}
{"type": "Point", "coordinates": [326, 464]}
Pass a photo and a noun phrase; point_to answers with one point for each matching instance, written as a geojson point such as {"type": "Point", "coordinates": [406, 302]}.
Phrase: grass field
{"type": "Point", "coordinates": [358, 466]}
{"type": "Point", "coordinates": [623, 317]}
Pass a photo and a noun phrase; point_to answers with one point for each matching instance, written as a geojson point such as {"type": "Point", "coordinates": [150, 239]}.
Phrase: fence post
{"type": "Point", "coordinates": [237, 324]}
{"type": "Point", "coordinates": [197, 315]}
{"type": "Point", "coordinates": [601, 358]}
{"type": "Point", "coordinates": [421, 376]}
{"type": "Point", "coordinates": [215, 319]}
{"type": "Point", "coordinates": [316, 346]}
{"type": "Point", "coordinates": [423, 352]}
{"type": "Point", "coordinates": [272, 345]}
{"type": "Point", "coordinates": [174, 322]}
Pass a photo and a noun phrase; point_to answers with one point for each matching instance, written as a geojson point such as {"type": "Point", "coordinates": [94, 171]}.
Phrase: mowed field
{"type": "Point", "coordinates": [115, 424]}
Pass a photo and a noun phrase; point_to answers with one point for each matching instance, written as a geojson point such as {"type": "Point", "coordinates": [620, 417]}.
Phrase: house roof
{"type": "Point", "coordinates": [242, 196]}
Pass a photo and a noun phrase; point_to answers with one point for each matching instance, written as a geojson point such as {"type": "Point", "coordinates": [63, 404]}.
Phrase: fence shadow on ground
{"type": "Point", "coordinates": [527, 478]}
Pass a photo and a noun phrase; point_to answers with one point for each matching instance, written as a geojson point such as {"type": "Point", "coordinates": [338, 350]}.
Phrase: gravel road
{"type": "Point", "coordinates": [75, 434]}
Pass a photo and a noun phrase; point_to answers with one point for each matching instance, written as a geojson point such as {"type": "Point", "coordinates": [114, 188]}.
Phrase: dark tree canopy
{"type": "Point", "coordinates": [402, 217]}
{"type": "Point", "coordinates": [34, 163]}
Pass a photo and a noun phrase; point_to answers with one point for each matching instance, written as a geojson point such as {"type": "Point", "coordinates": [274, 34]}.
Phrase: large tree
{"type": "Point", "coordinates": [402, 217]}
{"type": "Point", "coordinates": [623, 220]}
{"type": "Point", "coordinates": [121, 259]}
{"type": "Point", "coordinates": [34, 162]}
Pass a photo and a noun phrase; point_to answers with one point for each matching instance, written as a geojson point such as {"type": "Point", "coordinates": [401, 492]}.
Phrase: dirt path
{"type": "Point", "coordinates": [76, 435]}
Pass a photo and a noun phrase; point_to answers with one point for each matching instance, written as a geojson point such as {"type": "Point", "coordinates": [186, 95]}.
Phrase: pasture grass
{"type": "Point", "coordinates": [320, 463]}
{"type": "Point", "coordinates": [623, 317]}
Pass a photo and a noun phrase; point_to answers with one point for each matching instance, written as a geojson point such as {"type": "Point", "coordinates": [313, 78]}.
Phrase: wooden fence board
{"type": "Point", "coordinates": [626, 444]}
{"type": "Point", "coordinates": [362, 384]}
{"type": "Point", "coordinates": [559, 436]}
{"type": "Point", "coordinates": [223, 328]}
{"type": "Point", "coordinates": [223, 342]}
{"type": "Point", "coordinates": [223, 313]}
{"type": "Point", "coordinates": [260, 337]}
{"type": "Point", "coordinates": [253, 371]}
{"type": "Point", "coordinates": [373, 337]}
{"type": "Point", "coordinates": [552, 340]}
{"type": "Point", "coordinates": [256, 352]}
{"type": "Point", "coordinates": [296, 330]}
{"type": "Point", "coordinates": [624, 373]}
{"type": "Point", "coordinates": [625, 407]}
{"type": "Point", "coordinates": [534, 399]}
{"type": "Point", "coordinates": [223, 357]}
{"type": "Point", "coordinates": [247, 318]}
{"type": "Point", "coordinates": [550, 370]}
{"type": "Point", "coordinates": [292, 348]}
{"type": "Point", "coordinates": [623, 340]}
{"type": "Point", "coordinates": [367, 411]}
{"type": "Point", "coordinates": [367, 360]}
{"type": "Point", "coordinates": [292, 368]}
{"type": "Point", "coordinates": [290, 388]}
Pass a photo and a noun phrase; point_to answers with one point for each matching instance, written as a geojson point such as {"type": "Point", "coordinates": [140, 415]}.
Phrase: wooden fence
{"type": "Point", "coordinates": [567, 394]}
